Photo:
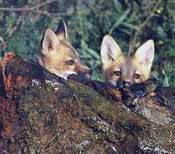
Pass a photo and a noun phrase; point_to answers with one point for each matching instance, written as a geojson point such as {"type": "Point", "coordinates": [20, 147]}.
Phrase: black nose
{"type": "Point", "coordinates": [90, 72]}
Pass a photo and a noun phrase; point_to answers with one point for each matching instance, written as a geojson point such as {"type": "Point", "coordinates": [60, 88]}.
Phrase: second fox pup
{"type": "Point", "coordinates": [57, 54]}
{"type": "Point", "coordinates": [130, 69]}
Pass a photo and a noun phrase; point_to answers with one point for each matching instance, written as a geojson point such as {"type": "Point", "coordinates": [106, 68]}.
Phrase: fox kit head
{"type": "Point", "coordinates": [130, 69]}
{"type": "Point", "coordinates": [57, 54]}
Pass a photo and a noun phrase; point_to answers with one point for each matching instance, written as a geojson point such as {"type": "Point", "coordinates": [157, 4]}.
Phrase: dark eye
{"type": "Point", "coordinates": [70, 62]}
{"type": "Point", "coordinates": [136, 76]}
{"type": "Point", "coordinates": [117, 73]}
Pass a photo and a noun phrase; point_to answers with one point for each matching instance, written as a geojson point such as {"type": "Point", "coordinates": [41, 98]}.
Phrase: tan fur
{"type": "Point", "coordinates": [56, 55]}
{"type": "Point", "coordinates": [129, 67]}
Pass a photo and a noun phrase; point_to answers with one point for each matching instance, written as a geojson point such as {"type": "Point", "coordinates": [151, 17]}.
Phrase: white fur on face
{"type": "Point", "coordinates": [65, 74]}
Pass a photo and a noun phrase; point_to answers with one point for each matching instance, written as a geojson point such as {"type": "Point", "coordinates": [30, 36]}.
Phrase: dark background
{"type": "Point", "coordinates": [130, 22]}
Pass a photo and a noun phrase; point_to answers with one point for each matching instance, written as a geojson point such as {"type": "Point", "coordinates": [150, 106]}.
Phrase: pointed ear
{"type": "Point", "coordinates": [50, 41]}
{"type": "Point", "coordinates": [61, 31]}
{"type": "Point", "coordinates": [145, 54]}
{"type": "Point", "coordinates": [110, 51]}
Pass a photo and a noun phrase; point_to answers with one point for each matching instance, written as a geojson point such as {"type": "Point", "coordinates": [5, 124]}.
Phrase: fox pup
{"type": "Point", "coordinates": [57, 54]}
{"type": "Point", "coordinates": [130, 69]}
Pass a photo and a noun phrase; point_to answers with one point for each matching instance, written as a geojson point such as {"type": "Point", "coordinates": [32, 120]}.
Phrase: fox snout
{"type": "Point", "coordinates": [84, 70]}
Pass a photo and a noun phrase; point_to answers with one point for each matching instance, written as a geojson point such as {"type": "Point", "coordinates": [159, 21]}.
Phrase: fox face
{"type": "Point", "coordinates": [130, 69]}
{"type": "Point", "coordinates": [57, 54]}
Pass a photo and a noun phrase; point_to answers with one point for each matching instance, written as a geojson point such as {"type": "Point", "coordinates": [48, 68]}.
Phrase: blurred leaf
{"type": "Point", "coordinates": [165, 82]}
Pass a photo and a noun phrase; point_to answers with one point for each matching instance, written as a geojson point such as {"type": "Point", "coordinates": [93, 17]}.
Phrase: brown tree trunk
{"type": "Point", "coordinates": [41, 113]}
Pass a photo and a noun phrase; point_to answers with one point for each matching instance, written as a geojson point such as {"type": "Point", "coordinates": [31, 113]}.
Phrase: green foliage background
{"type": "Point", "coordinates": [130, 22]}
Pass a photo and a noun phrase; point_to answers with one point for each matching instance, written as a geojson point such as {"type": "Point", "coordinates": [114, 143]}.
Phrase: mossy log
{"type": "Point", "coordinates": [42, 113]}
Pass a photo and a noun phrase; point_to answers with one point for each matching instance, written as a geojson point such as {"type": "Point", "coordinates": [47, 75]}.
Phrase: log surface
{"type": "Point", "coordinates": [42, 113]}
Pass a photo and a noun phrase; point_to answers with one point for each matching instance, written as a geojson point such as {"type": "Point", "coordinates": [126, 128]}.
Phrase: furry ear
{"type": "Point", "coordinates": [50, 41]}
{"type": "Point", "coordinates": [61, 31]}
{"type": "Point", "coordinates": [110, 51]}
{"type": "Point", "coordinates": [145, 53]}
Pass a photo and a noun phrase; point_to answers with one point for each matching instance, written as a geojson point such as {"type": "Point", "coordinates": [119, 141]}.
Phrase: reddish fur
{"type": "Point", "coordinates": [129, 67]}
{"type": "Point", "coordinates": [56, 53]}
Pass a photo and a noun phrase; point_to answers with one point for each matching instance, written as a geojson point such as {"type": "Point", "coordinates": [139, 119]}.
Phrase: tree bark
{"type": "Point", "coordinates": [42, 113]}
